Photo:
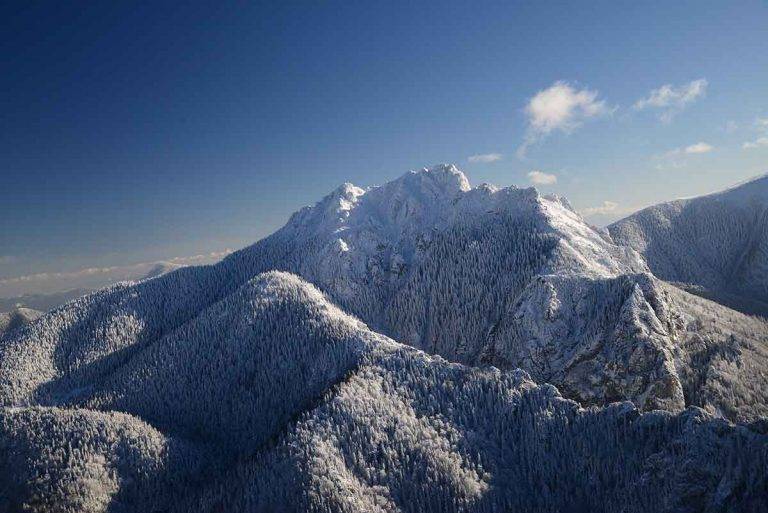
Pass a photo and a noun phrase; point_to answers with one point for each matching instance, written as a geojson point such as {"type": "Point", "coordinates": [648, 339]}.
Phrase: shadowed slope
{"type": "Point", "coordinates": [17, 318]}
{"type": "Point", "coordinates": [273, 399]}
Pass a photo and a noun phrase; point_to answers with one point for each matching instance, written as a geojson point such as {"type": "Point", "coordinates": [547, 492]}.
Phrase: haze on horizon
{"type": "Point", "coordinates": [142, 133]}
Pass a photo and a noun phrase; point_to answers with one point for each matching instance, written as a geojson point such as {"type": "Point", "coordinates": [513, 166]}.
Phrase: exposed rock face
{"type": "Point", "coordinates": [597, 340]}
{"type": "Point", "coordinates": [635, 337]}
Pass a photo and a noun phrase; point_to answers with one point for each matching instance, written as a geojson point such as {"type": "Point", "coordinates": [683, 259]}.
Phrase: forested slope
{"type": "Point", "coordinates": [716, 243]}
{"type": "Point", "coordinates": [274, 399]}
{"type": "Point", "coordinates": [239, 386]}
{"type": "Point", "coordinates": [76, 460]}
{"type": "Point", "coordinates": [17, 318]}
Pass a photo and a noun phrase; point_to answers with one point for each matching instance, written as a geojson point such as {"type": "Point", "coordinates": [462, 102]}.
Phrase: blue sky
{"type": "Point", "coordinates": [139, 132]}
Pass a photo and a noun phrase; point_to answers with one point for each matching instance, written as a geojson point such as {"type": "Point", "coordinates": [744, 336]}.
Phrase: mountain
{"type": "Point", "coordinates": [715, 245]}
{"type": "Point", "coordinates": [365, 357]}
{"type": "Point", "coordinates": [161, 268]}
{"type": "Point", "coordinates": [17, 318]}
{"type": "Point", "coordinates": [274, 399]}
{"type": "Point", "coordinates": [42, 302]}
{"type": "Point", "coordinates": [45, 302]}
{"type": "Point", "coordinates": [479, 276]}
{"type": "Point", "coordinates": [45, 291]}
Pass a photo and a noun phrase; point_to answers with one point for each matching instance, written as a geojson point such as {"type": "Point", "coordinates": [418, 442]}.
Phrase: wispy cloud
{"type": "Point", "coordinates": [670, 163]}
{"type": "Point", "coordinates": [672, 100]}
{"type": "Point", "coordinates": [485, 157]}
{"type": "Point", "coordinates": [542, 178]}
{"type": "Point", "coordinates": [205, 258]}
{"type": "Point", "coordinates": [674, 159]}
{"type": "Point", "coordinates": [608, 207]}
{"type": "Point", "coordinates": [96, 277]}
{"type": "Point", "coordinates": [7, 259]}
{"type": "Point", "coordinates": [699, 147]}
{"type": "Point", "coordinates": [560, 107]}
{"type": "Point", "coordinates": [761, 125]}
{"type": "Point", "coordinates": [757, 143]}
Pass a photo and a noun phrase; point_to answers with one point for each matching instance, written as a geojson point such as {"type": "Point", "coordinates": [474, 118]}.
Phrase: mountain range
{"type": "Point", "coordinates": [41, 302]}
{"type": "Point", "coordinates": [46, 291]}
{"type": "Point", "coordinates": [423, 345]}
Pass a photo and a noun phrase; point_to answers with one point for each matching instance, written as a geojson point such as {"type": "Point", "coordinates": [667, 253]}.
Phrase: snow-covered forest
{"type": "Point", "coordinates": [253, 413]}
{"type": "Point", "coordinates": [16, 318]}
{"type": "Point", "coordinates": [389, 349]}
{"type": "Point", "coordinates": [716, 243]}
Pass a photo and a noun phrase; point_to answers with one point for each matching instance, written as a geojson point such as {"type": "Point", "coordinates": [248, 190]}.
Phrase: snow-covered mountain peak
{"type": "Point", "coordinates": [561, 200]}
{"type": "Point", "coordinates": [347, 192]}
{"type": "Point", "coordinates": [381, 229]}
{"type": "Point", "coordinates": [342, 200]}
{"type": "Point", "coordinates": [330, 212]}
{"type": "Point", "coordinates": [418, 198]}
{"type": "Point", "coordinates": [413, 198]}
{"type": "Point", "coordinates": [404, 255]}
{"type": "Point", "coordinates": [447, 177]}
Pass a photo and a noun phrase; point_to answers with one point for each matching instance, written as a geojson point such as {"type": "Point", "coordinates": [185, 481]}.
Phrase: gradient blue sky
{"type": "Point", "coordinates": [137, 132]}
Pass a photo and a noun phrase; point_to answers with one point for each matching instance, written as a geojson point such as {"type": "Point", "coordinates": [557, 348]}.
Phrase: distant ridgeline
{"type": "Point", "coordinates": [41, 302]}
{"type": "Point", "coordinates": [387, 350]}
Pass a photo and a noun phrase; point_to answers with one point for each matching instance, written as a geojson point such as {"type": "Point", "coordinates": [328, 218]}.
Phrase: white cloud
{"type": "Point", "coordinates": [731, 126]}
{"type": "Point", "coordinates": [485, 157]}
{"type": "Point", "coordinates": [607, 207]}
{"type": "Point", "coordinates": [96, 277]}
{"type": "Point", "coordinates": [560, 107]}
{"type": "Point", "coordinates": [757, 143]}
{"type": "Point", "coordinates": [672, 100]}
{"type": "Point", "coordinates": [674, 159]}
{"type": "Point", "coordinates": [761, 125]}
{"type": "Point", "coordinates": [206, 258]}
{"type": "Point", "coordinates": [699, 147]}
{"type": "Point", "coordinates": [541, 178]}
